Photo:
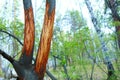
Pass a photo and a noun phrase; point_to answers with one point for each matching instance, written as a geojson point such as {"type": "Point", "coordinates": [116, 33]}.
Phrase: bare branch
{"type": "Point", "coordinates": [50, 75]}
{"type": "Point", "coordinates": [11, 36]}
{"type": "Point", "coordinates": [6, 56]}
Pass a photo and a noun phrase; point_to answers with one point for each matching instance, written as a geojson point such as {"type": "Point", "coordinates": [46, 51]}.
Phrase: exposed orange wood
{"type": "Point", "coordinates": [29, 32]}
{"type": "Point", "coordinates": [45, 42]}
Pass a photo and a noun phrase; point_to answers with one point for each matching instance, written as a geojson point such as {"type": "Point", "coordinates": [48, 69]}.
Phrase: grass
{"type": "Point", "coordinates": [80, 72]}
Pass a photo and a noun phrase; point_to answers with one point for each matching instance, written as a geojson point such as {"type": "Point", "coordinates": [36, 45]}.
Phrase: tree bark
{"type": "Point", "coordinates": [45, 41]}
{"type": "Point", "coordinates": [24, 67]}
{"type": "Point", "coordinates": [29, 34]}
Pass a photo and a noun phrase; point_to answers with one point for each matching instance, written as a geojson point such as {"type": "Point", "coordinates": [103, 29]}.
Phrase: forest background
{"type": "Point", "coordinates": [85, 43]}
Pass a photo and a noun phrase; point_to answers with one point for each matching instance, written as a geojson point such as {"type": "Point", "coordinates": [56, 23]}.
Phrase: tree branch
{"type": "Point", "coordinates": [6, 56]}
{"type": "Point", "coordinates": [11, 36]}
{"type": "Point", "coordinates": [50, 75]}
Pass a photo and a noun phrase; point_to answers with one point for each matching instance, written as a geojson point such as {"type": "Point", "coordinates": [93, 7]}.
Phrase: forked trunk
{"type": "Point", "coordinates": [24, 67]}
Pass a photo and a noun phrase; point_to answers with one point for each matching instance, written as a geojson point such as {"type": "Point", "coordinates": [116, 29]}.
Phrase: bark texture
{"type": "Point", "coordinates": [29, 34]}
{"type": "Point", "coordinates": [45, 41]}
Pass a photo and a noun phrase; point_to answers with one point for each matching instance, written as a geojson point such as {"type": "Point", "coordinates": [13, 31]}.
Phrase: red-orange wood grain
{"type": "Point", "coordinates": [45, 42]}
{"type": "Point", "coordinates": [29, 32]}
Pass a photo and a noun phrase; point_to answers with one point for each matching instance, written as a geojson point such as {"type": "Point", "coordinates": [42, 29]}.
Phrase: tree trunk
{"type": "Point", "coordinates": [45, 41]}
{"type": "Point", "coordinates": [24, 67]}
{"type": "Point", "coordinates": [108, 63]}
{"type": "Point", "coordinates": [112, 5]}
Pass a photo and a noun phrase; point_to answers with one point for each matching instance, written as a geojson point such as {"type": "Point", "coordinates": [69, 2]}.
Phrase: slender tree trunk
{"type": "Point", "coordinates": [104, 47]}
{"type": "Point", "coordinates": [0, 63]}
{"type": "Point", "coordinates": [66, 72]}
{"type": "Point", "coordinates": [112, 5]}
{"type": "Point", "coordinates": [54, 63]}
{"type": "Point", "coordinates": [64, 67]}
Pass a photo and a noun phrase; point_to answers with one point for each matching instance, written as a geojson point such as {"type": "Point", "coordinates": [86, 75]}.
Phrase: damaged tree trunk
{"type": "Point", "coordinates": [45, 41]}
{"type": "Point", "coordinates": [24, 67]}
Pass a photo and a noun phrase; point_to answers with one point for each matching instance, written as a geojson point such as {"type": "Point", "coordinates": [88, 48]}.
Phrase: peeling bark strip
{"type": "Point", "coordinates": [29, 34]}
{"type": "Point", "coordinates": [45, 41]}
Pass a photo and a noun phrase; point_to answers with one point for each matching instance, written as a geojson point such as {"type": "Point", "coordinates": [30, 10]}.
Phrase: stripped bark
{"type": "Point", "coordinates": [24, 67]}
{"type": "Point", "coordinates": [29, 34]}
{"type": "Point", "coordinates": [45, 41]}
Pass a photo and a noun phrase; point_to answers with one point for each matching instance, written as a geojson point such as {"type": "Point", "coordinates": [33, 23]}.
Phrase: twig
{"type": "Point", "coordinates": [91, 77]}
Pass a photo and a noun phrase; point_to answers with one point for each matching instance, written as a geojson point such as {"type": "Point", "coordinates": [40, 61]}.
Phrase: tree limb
{"type": "Point", "coordinates": [50, 75]}
{"type": "Point", "coordinates": [11, 36]}
{"type": "Point", "coordinates": [6, 56]}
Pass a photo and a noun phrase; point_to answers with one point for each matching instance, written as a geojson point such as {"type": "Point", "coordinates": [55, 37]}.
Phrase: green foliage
{"type": "Point", "coordinates": [1, 73]}
{"type": "Point", "coordinates": [116, 23]}
{"type": "Point", "coordinates": [17, 28]}
{"type": "Point", "coordinates": [2, 24]}
{"type": "Point", "coordinates": [75, 20]}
